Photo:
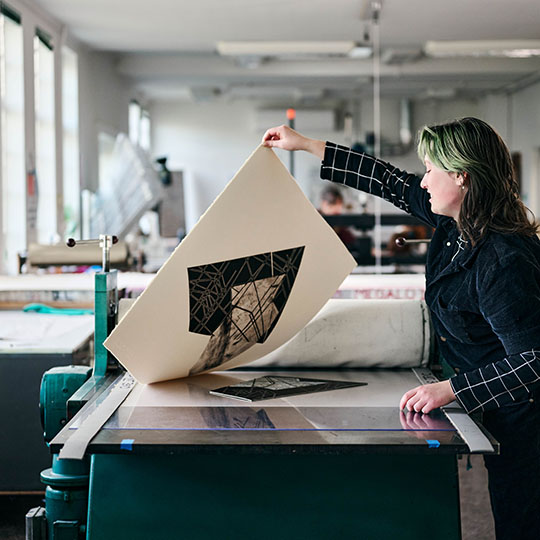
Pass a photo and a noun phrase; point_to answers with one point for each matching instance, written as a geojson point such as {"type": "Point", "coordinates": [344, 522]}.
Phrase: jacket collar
{"type": "Point", "coordinates": [465, 259]}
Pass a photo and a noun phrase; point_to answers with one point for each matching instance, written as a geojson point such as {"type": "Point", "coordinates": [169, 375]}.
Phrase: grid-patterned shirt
{"type": "Point", "coordinates": [484, 299]}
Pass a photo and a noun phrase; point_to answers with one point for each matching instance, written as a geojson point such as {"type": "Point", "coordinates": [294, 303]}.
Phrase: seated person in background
{"type": "Point", "coordinates": [331, 201]}
{"type": "Point", "coordinates": [332, 205]}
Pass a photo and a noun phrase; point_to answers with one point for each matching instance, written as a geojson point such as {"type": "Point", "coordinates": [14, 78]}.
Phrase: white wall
{"type": "Point", "coordinates": [525, 138]}
{"type": "Point", "coordinates": [517, 119]}
{"type": "Point", "coordinates": [496, 110]}
{"type": "Point", "coordinates": [210, 141]}
{"type": "Point", "coordinates": [104, 103]}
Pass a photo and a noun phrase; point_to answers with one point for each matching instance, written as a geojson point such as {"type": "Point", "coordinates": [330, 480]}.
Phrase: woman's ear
{"type": "Point", "coordinates": [462, 180]}
{"type": "Point", "coordinates": [458, 178]}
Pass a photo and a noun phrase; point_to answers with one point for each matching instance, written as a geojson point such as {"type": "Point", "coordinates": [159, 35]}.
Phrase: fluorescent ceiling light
{"type": "Point", "coordinates": [525, 48]}
{"type": "Point", "coordinates": [360, 52]}
{"type": "Point", "coordinates": [284, 48]}
{"type": "Point", "coordinates": [440, 93]}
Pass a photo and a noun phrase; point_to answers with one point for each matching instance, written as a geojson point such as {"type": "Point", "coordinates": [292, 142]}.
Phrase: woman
{"type": "Point", "coordinates": [482, 288]}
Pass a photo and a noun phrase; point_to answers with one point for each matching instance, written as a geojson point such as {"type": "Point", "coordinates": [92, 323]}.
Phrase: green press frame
{"type": "Point", "coordinates": [300, 495]}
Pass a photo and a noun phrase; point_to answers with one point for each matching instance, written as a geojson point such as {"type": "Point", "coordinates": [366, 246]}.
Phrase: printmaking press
{"type": "Point", "coordinates": [233, 399]}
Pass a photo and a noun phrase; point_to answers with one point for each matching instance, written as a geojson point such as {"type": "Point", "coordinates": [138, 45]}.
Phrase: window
{"type": "Point", "coordinates": [144, 138]}
{"type": "Point", "coordinates": [96, 224]}
{"type": "Point", "coordinates": [70, 119]}
{"type": "Point", "coordinates": [106, 150]}
{"type": "Point", "coordinates": [12, 171]}
{"type": "Point", "coordinates": [139, 125]}
{"type": "Point", "coordinates": [45, 138]}
{"type": "Point", "coordinates": [135, 113]}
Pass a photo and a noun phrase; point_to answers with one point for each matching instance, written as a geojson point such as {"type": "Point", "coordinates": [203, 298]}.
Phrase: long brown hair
{"type": "Point", "coordinates": [472, 148]}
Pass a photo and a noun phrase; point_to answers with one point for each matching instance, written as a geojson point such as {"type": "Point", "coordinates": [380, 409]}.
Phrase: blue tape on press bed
{"type": "Point", "coordinates": [127, 444]}
{"type": "Point", "coordinates": [433, 443]}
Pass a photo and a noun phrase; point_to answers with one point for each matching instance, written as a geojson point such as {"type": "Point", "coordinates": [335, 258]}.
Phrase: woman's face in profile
{"type": "Point", "coordinates": [445, 190]}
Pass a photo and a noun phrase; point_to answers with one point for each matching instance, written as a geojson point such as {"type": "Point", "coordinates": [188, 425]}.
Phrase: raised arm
{"type": "Point", "coordinates": [359, 171]}
{"type": "Point", "coordinates": [287, 139]}
{"type": "Point", "coordinates": [367, 173]}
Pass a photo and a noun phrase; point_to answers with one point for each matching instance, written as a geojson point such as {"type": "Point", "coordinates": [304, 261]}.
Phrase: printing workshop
{"type": "Point", "coordinates": [270, 269]}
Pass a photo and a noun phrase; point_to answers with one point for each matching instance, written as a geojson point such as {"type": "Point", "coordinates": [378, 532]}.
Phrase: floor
{"type": "Point", "coordinates": [13, 508]}
{"type": "Point", "coordinates": [476, 518]}
{"type": "Point", "coordinates": [477, 523]}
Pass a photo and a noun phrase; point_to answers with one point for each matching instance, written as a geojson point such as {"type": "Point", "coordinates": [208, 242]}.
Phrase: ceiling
{"type": "Point", "coordinates": [167, 48]}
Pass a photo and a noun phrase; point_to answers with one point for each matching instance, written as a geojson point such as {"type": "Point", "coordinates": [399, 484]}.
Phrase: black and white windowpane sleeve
{"type": "Point", "coordinates": [500, 383]}
{"type": "Point", "coordinates": [509, 298]}
{"type": "Point", "coordinates": [366, 173]}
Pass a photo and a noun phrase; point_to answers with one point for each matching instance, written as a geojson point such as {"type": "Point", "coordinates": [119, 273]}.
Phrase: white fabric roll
{"type": "Point", "coordinates": [359, 333]}
{"type": "Point", "coordinates": [60, 254]}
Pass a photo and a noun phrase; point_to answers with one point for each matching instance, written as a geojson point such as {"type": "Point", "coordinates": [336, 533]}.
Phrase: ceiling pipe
{"type": "Point", "coordinates": [376, 45]}
{"type": "Point", "coordinates": [405, 127]}
{"type": "Point", "coordinates": [405, 140]}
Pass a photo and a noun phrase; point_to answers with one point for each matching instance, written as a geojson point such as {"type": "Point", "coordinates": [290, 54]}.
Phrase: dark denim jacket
{"type": "Point", "coordinates": [484, 300]}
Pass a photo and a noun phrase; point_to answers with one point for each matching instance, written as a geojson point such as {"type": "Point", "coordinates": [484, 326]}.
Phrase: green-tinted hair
{"type": "Point", "coordinates": [472, 148]}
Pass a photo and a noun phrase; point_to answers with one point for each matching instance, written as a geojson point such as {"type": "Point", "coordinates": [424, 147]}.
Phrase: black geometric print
{"type": "Point", "coordinates": [239, 302]}
{"type": "Point", "coordinates": [211, 285]}
{"type": "Point", "coordinates": [276, 386]}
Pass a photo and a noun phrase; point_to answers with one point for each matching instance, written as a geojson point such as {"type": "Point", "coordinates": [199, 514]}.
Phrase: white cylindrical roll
{"type": "Point", "coordinates": [359, 333]}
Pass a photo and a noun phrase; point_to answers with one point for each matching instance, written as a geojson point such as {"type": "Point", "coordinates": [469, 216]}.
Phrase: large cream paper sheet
{"type": "Point", "coordinates": [259, 264]}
